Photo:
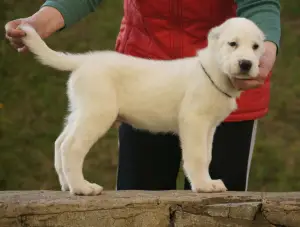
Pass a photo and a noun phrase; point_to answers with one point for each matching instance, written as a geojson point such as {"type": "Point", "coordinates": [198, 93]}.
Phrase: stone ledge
{"type": "Point", "coordinates": [153, 209]}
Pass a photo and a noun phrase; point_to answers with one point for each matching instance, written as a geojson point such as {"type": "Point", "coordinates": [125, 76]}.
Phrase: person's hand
{"type": "Point", "coordinates": [46, 21]}
{"type": "Point", "coordinates": [266, 64]}
{"type": "Point", "coordinates": [14, 35]}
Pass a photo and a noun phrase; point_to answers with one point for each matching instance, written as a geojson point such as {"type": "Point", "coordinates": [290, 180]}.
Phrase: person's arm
{"type": "Point", "coordinates": [54, 15]}
{"type": "Point", "coordinates": [265, 13]}
{"type": "Point", "coordinates": [73, 10]}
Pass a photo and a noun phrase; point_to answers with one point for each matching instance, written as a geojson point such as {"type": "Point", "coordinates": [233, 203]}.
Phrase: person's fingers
{"type": "Point", "coordinates": [17, 41]}
{"type": "Point", "coordinates": [247, 84]}
{"type": "Point", "coordinates": [12, 30]}
{"type": "Point", "coordinates": [17, 33]}
{"type": "Point", "coordinates": [16, 46]}
{"type": "Point", "coordinates": [7, 37]}
{"type": "Point", "coordinates": [22, 49]}
{"type": "Point", "coordinates": [14, 37]}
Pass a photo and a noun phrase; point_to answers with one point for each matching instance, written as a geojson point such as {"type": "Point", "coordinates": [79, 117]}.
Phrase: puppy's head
{"type": "Point", "coordinates": [237, 45]}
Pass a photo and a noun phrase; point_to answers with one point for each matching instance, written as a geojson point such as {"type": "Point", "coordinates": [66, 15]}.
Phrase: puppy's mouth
{"type": "Point", "coordinates": [242, 76]}
{"type": "Point", "coordinates": [246, 77]}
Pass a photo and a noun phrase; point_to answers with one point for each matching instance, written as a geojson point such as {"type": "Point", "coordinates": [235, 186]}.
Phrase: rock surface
{"type": "Point", "coordinates": [153, 209]}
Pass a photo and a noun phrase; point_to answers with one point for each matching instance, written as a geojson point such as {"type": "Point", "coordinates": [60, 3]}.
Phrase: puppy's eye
{"type": "Point", "coordinates": [232, 44]}
{"type": "Point", "coordinates": [255, 46]}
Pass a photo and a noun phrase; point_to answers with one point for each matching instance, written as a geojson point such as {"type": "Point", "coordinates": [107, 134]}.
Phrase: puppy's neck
{"type": "Point", "coordinates": [220, 79]}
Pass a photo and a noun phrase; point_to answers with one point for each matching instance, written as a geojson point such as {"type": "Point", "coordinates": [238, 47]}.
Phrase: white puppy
{"type": "Point", "coordinates": [189, 97]}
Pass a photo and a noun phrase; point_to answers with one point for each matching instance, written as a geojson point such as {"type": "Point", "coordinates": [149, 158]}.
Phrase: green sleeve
{"type": "Point", "coordinates": [73, 10]}
{"type": "Point", "coordinates": [265, 13]}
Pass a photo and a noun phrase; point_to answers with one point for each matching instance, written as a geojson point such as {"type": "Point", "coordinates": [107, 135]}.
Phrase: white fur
{"type": "Point", "coordinates": [160, 96]}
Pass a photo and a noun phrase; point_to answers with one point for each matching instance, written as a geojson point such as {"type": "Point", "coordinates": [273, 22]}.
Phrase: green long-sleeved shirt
{"type": "Point", "coordinates": [265, 13]}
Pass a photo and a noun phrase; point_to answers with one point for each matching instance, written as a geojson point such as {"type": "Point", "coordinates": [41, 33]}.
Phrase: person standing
{"type": "Point", "coordinates": [171, 29]}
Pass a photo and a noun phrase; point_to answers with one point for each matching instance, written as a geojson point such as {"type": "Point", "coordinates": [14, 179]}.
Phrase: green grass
{"type": "Point", "coordinates": [35, 105]}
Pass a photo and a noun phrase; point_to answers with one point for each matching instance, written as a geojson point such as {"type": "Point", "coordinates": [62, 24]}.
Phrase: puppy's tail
{"type": "Point", "coordinates": [47, 56]}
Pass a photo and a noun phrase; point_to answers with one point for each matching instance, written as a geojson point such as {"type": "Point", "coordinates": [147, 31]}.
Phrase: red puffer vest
{"type": "Point", "coordinates": [170, 29]}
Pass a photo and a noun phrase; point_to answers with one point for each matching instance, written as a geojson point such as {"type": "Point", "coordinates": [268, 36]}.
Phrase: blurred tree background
{"type": "Point", "coordinates": [34, 104]}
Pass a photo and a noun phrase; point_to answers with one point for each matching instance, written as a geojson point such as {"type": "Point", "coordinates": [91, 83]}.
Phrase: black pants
{"type": "Point", "coordinates": [151, 162]}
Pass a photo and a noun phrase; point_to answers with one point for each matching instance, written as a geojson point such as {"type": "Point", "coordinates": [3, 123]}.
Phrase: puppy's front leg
{"type": "Point", "coordinates": [210, 139]}
{"type": "Point", "coordinates": [195, 133]}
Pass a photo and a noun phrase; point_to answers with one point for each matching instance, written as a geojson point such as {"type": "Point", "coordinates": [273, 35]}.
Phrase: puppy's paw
{"type": "Point", "coordinates": [86, 188]}
{"type": "Point", "coordinates": [210, 186]}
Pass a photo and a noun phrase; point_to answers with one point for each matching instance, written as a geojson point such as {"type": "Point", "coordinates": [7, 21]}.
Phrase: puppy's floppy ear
{"type": "Point", "coordinates": [214, 33]}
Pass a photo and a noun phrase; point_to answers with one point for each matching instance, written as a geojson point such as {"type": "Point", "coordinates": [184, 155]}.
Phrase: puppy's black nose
{"type": "Point", "coordinates": [245, 65]}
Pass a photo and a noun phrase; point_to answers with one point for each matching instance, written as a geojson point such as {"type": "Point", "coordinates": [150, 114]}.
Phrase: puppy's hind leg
{"type": "Point", "coordinates": [58, 154]}
{"type": "Point", "coordinates": [88, 127]}
{"type": "Point", "coordinates": [93, 99]}
{"type": "Point", "coordinates": [194, 135]}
